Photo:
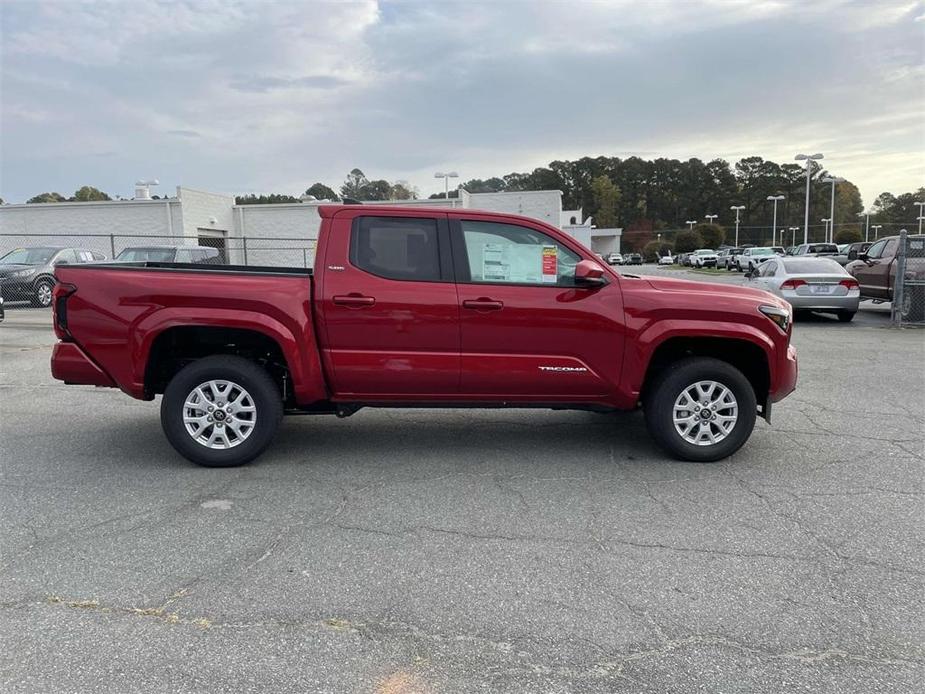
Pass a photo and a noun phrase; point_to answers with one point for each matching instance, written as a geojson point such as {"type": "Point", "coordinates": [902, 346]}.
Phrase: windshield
{"type": "Point", "coordinates": [704, 251]}
{"type": "Point", "coordinates": [154, 255]}
{"type": "Point", "coordinates": [822, 248]}
{"type": "Point", "coordinates": [28, 256]}
{"type": "Point", "coordinates": [761, 251]}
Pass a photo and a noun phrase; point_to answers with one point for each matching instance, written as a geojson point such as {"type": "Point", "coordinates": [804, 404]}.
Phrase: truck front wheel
{"type": "Point", "coordinates": [221, 411]}
{"type": "Point", "coordinates": [700, 409]}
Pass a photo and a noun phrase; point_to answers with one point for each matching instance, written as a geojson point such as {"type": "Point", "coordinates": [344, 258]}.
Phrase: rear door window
{"type": "Point", "coordinates": [398, 248]}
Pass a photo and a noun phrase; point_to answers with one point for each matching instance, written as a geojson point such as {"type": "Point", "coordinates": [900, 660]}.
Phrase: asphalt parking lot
{"type": "Point", "coordinates": [469, 551]}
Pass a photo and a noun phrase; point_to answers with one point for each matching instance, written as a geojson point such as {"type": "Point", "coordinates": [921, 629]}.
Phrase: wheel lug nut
{"type": "Point", "coordinates": [211, 408]}
{"type": "Point", "coordinates": [209, 418]}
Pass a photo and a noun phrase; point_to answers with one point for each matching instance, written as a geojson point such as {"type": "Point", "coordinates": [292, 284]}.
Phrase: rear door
{"type": "Point", "coordinates": [390, 311]}
{"type": "Point", "coordinates": [528, 332]}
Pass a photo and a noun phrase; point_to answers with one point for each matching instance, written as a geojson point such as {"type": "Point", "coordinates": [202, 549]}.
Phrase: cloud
{"type": "Point", "coordinates": [265, 83]}
{"type": "Point", "coordinates": [233, 96]}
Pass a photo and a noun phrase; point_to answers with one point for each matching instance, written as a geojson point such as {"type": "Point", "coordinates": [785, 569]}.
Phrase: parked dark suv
{"type": "Point", "coordinates": [27, 274]}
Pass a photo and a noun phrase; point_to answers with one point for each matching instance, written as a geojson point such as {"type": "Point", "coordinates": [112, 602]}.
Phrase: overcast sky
{"type": "Point", "coordinates": [271, 97]}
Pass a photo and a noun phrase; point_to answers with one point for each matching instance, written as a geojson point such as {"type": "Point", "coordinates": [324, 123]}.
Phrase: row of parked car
{"type": "Point", "coordinates": [748, 257]}
{"type": "Point", "coordinates": [817, 279]}
{"type": "Point", "coordinates": [27, 274]}
{"type": "Point", "coordinates": [620, 259]}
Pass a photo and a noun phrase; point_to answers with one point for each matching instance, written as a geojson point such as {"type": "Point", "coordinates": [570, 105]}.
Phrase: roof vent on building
{"type": "Point", "coordinates": [143, 188]}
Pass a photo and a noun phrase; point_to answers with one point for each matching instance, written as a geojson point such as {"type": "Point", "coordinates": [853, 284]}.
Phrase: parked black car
{"type": "Point", "coordinates": [199, 255]}
{"type": "Point", "coordinates": [632, 259]}
{"type": "Point", "coordinates": [27, 274]}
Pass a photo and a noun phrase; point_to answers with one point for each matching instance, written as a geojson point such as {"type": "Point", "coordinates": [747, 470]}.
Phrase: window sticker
{"type": "Point", "coordinates": [550, 264]}
{"type": "Point", "coordinates": [515, 263]}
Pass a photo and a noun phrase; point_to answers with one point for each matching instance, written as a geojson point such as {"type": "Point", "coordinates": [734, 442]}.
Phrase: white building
{"type": "Point", "coordinates": [252, 234]}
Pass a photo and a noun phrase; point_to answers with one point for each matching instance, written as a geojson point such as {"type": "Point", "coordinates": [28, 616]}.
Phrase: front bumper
{"type": "Point", "coordinates": [69, 363]}
{"type": "Point", "coordinates": [15, 289]}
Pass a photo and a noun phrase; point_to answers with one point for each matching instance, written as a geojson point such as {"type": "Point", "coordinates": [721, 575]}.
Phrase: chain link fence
{"type": "Point", "coordinates": [264, 251]}
{"type": "Point", "coordinates": [909, 281]}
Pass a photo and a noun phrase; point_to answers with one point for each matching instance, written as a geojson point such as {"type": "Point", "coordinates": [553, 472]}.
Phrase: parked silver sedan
{"type": "Point", "coordinates": [809, 284]}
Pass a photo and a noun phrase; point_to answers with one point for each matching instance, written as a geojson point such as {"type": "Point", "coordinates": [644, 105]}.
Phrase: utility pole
{"type": "Point", "coordinates": [737, 208]}
{"type": "Point", "coordinates": [775, 199]}
{"type": "Point", "coordinates": [809, 158]}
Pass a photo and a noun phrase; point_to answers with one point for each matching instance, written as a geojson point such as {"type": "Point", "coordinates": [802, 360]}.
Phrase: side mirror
{"type": "Point", "coordinates": [61, 262]}
{"type": "Point", "coordinates": [589, 273]}
{"type": "Point", "coordinates": [862, 256]}
{"type": "Point", "coordinates": [853, 254]}
{"type": "Point", "coordinates": [751, 274]}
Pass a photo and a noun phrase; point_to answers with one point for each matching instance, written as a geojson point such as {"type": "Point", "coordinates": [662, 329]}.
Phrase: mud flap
{"type": "Point", "coordinates": [766, 410]}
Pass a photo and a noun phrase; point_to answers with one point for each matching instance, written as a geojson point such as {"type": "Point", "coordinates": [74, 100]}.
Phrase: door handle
{"type": "Point", "coordinates": [483, 304]}
{"type": "Point", "coordinates": [354, 300]}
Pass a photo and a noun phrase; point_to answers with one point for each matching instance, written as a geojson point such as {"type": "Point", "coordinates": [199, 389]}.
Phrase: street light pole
{"type": "Point", "coordinates": [710, 217]}
{"type": "Point", "coordinates": [446, 181]}
{"type": "Point", "coordinates": [794, 231]}
{"type": "Point", "coordinates": [809, 158]}
{"type": "Point", "coordinates": [833, 180]}
{"type": "Point", "coordinates": [775, 198]}
{"type": "Point", "coordinates": [921, 212]}
{"type": "Point", "coordinates": [866, 225]}
{"type": "Point", "coordinates": [876, 228]}
{"type": "Point", "coordinates": [737, 208]}
{"type": "Point", "coordinates": [825, 221]}
{"type": "Point", "coordinates": [691, 223]}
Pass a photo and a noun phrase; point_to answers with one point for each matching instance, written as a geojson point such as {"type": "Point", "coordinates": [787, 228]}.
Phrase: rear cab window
{"type": "Point", "coordinates": [504, 253]}
{"type": "Point", "coordinates": [400, 248]}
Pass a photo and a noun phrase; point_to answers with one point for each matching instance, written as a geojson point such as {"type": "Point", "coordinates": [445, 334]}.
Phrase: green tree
{"type": "Point", "coordinates": [606, 199]}
{"type": "Point", "coordinates": [713, 235]}
{"type": "Point", "coordinates": [688, 240]}
{"type": "Point", "coordinates": [402, 190]}
{"type": "Point", "coordinates": [89, 194]}
{"type": "Point", "coordinates": [321, 192]}
{"type": "Point", "coordinates": [271, 199]}
{"type": "Point", "coordinates": [848, 235]}
{"type": "Point", "coordinates": [354, 184]}
{"type": "Point", "coordinates": [46, 197]}
{"type": "Point", "coordinates": [376, 190]}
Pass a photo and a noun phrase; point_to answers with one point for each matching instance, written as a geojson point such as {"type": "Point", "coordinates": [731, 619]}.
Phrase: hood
{"type": "Point", "coordinates": [670, 284]}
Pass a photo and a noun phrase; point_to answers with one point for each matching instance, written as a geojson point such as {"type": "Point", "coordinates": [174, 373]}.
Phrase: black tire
{"type": "Point", "coordinates": [660, 396]}
{"type": "Point", "coordinates": [845, 316]}
{"type": "Point", "coordinates": [255, 380]}
{"type": "Point", "coordinates": [41, 292]}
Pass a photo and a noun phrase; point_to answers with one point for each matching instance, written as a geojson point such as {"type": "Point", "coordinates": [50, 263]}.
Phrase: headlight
{"type": "Point", "coordinates": [779, 315]}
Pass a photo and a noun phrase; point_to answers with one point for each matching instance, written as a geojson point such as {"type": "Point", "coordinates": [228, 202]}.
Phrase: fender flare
{"type": "Point", "coordinates": [307, 378]}
{"type": "Point", "coordinates": [638, 355]}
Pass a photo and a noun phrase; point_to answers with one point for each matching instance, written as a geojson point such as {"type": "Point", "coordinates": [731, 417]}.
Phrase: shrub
{"type": "Point", "coordinates": [713, 235]}
{"type": "Point", "coordinates": [687, 241]}
{"type": "Point", "coordinates": [849, 235]}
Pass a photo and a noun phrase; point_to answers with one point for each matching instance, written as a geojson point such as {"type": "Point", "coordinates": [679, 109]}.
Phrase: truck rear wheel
{"type": "Point", "coordinates": [700, 409]}
{"type": "Point", "coordinates": [221, 411]}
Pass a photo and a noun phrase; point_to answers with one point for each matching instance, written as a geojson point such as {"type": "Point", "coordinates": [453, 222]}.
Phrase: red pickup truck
{"type": "Point", "coordinates": [419, 307]}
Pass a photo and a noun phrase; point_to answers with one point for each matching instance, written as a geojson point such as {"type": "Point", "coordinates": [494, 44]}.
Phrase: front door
{"type": "Point", "coordinates": [873, 276]}
{"type": "Point", "coordinates": [528, 331]}
{"type": "Point", "coordinates": [390, 310]}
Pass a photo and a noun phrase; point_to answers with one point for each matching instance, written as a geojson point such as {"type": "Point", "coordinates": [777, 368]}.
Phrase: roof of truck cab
{"type": "Point", "coordinates": [373, 209]}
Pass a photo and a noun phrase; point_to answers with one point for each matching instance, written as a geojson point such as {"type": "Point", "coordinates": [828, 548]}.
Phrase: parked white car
{"type": "Point", "coordinates": [614, 259]}
{"type": "Point", "coordinates": [703, 257]}
{"type": "Point", "coordinates": [751, 258]}
{"type": "Point", "coordinates": [809, 284]}
{"type": "Point", "coordinates": [666, 260]}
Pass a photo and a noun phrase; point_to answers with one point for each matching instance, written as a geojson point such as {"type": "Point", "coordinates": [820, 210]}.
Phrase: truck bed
{"type": "Point", "coordinates": [114, 312]}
